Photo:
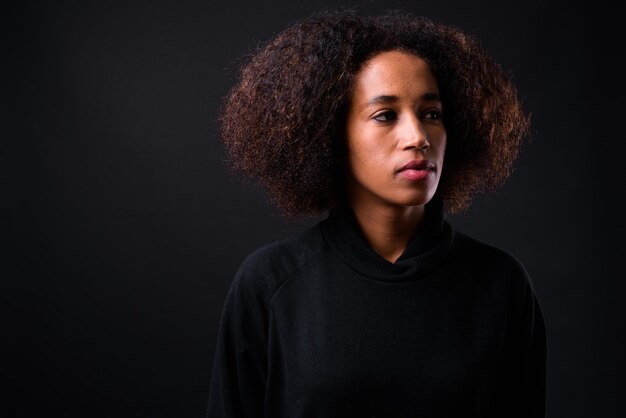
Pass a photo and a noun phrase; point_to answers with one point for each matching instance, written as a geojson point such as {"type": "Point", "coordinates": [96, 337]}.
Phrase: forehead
{"type": "Point", "coordinates": [394, 72]}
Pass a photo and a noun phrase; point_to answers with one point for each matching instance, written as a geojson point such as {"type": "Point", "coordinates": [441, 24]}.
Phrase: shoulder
{"type": "Point", "coordinates": [486, 260]}
{"type": "Point", "coordinates": [483, 253]}
{"type": "Point", "coordinates": [268, 267]}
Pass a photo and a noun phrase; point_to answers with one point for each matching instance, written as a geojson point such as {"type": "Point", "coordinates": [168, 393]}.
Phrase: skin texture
{"type": "Point", "coordinates": [395, 116]}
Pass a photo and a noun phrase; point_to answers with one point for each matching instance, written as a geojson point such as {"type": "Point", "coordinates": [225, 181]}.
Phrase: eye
{"type": "Point", "coordinates": [385, 116]}
{"type": "Point", "coordinates": [432, 114]}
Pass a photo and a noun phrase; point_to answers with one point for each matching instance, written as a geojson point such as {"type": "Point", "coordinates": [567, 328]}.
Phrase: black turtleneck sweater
{"type": "Point", "coordinates": [322, 326]}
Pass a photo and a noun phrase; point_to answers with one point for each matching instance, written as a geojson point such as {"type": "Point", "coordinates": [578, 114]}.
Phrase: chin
{"type": "Point", "coordinates": [413, 200]}
{"type": "Point", "coordinates": [413, 196]}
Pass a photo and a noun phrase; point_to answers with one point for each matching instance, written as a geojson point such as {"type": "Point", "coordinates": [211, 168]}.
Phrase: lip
{"type": "Point", "coordinates": [418, 165]}
{"type": "Point", "coordinates": [416, 170]}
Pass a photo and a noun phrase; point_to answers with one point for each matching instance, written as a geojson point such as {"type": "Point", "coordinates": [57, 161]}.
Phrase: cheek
{"type": "Point", "coordinates": [366, 158]}
{"type": "Point", "coordinates": [358, 151]}
{"type": "Point", "coordinates": [443, 147]}
{"type": "Point", "coordinates": [360, 164]}
{"type": "Point", "coordinates": [439, 142]}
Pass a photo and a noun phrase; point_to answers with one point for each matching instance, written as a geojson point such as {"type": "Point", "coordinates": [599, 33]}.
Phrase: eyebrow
{"type": "Point", "coordinates": [391, 99]}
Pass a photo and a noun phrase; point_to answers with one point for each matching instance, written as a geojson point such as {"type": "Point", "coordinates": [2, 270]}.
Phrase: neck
{"type": "Point", "coordinates": [387, 228]}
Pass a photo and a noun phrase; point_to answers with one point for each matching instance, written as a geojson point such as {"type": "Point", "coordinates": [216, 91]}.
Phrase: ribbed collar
{"type": "Point", "coordinates": [428, 247]}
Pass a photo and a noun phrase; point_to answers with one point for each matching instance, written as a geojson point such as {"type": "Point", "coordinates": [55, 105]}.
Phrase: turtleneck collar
{"type": "Point", "coordinates": [426, 249]}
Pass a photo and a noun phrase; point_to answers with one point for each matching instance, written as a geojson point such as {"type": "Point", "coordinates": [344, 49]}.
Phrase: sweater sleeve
{"type": "Point", "coordinates": [239, 372]}
{"type": "Point", "coordinates": [534, 354]}
{"type": "Point", "coordinates": [525, 380]}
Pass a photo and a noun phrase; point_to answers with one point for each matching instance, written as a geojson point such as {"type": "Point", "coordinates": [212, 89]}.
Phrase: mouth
{"type": "Point", "coordinates": [416, 170]}
{"type": "Point", "coordinates": [418, 165]}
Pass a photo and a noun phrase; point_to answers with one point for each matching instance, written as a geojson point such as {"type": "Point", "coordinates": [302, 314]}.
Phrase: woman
{"type": "Point", "coordinates": [382, 309]}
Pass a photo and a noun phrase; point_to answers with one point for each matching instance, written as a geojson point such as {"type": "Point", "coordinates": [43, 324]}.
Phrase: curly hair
{"type": "Point", "coordinates": [283, 122]}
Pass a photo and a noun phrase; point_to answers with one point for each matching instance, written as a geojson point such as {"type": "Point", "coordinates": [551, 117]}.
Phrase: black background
{"type": "Point", "coordinates": [122, 228]}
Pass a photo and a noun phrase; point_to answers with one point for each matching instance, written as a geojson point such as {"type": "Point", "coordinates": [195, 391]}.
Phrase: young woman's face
{"type": "Point", "coordinates": [394, 126]}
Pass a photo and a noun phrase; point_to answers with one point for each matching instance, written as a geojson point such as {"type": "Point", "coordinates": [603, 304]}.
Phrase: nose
{"type": "Point", "coordinates": [414, 135]}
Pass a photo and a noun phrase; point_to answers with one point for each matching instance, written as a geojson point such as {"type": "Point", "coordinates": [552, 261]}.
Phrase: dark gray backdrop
{"type": "Point", "coordinates": [122, 229]}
